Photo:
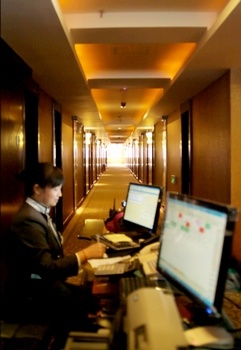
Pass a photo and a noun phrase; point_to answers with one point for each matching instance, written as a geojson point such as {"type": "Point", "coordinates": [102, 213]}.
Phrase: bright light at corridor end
{"type": "Point", "coordinates": [116, 153]}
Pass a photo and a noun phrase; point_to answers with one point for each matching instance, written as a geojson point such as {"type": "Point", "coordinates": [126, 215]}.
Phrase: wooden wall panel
{"type": "Point", "coordinates": [173, 151]}
{"type": "Point", "coordinates": [160, 161]}
{"type": "Point", "coordinates": [12, 153]}
{"type": "Point", "coordinates": [235, 103]}
{"type": "Point", "coordinates": [149, 163]}
{"type": "Point", "coordinates": [211, 142]}
{"type": "Point", "coordinates": [141, 160]}
{"type": "Point", "coordinates": [145, 159]}
{"type": "Point", "coordinates": [78, 164]}
{"type": "Point", "coordinates": [13, 73]}
{"type": "Point", "coordinates": [135, 146]}
{"type": "Point", "coordinates": [67, 164]}
{"type": "Point", "coordinates": [45, 128]}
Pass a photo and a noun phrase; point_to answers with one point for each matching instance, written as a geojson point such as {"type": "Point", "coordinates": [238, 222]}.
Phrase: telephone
{"type": "Point", "coordinates": [148, 259]}
{"type": "Point", "coordinates": [153, 321]}
{"type": "Point", "coordinates": [150, 248]}
{"type": "Point", "coordinates": [120, 268]}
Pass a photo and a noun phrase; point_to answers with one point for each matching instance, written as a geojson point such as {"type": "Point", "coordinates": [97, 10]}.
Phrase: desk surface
{"type": "Point", "coordinates": [104, 292]}
{"type": "Point", "coordinates": [105, 295]}
{"type": "Point", "coordinates": [232, 299]}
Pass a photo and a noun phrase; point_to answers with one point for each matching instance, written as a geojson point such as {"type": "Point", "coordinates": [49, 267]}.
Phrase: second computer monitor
{"type": "Point", "coordinates": [143, 206]}
{"type": "Point", "coordinates": [196, 247]}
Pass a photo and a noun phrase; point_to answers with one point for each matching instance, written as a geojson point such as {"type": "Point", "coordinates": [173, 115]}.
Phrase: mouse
{"type": "Point", "coordinates": [209, 336]}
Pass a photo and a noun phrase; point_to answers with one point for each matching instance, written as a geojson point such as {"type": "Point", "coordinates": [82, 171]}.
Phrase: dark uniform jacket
{"type": "Point", "coordinates": [36, 257]}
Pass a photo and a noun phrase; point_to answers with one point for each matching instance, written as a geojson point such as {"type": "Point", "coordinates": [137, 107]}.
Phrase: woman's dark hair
{"type": "Point", "coordinates": [43, 174]}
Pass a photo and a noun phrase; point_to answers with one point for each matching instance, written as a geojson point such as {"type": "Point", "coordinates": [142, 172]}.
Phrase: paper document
{"type": "Point", "coordinates": [117, 237]}
{"type": "Point", "coordinates": [108, 261]}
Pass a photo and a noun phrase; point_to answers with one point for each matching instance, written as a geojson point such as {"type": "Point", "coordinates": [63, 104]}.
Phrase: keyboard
{"type": "Point", "coordinates": [131, 283]}
{"type": "Point", "coordinates": [120, 268]}
{"type": "Point", "coordinates": [149, 268]}
{"type": "Point", "coordinates": [149, 262]}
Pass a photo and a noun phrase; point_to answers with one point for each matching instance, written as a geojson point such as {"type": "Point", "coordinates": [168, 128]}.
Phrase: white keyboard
{"type": "Point", "coordinates": [118, 268]}
{"type": "Point", "coordinates": [148, 262]}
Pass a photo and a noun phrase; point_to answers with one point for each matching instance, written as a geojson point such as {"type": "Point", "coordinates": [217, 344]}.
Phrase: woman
{"type": "Point", "coordinates": [37, 265]}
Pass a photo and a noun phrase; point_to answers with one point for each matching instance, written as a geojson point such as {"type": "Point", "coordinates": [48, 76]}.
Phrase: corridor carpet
{"type": "Point", "coordinates": [112, 184]}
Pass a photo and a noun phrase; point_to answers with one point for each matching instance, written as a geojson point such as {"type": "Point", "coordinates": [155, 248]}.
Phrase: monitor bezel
{"type": "Point", "coordinates": [232, 213]}
{"type": "Point", "coordinates": [135, 226]}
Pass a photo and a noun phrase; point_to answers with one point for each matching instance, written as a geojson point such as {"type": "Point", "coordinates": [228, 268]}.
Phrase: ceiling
{"type": "Point", "coordinates": [149, 56]}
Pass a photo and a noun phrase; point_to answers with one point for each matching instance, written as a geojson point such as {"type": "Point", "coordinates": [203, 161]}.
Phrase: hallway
{"type": "Point", "coordinates": [112, 184]}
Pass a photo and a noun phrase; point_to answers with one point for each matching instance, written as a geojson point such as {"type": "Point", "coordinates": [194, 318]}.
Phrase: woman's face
{"type": "Point", "coordinates": [48, 196]}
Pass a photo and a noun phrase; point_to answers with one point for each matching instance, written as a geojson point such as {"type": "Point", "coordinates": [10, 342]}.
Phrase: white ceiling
{"type": "Point", "coordinates": [151, 54]}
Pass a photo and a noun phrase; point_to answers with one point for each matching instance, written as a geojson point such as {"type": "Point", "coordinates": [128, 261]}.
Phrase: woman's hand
{"type": "Point", "coordinates": [94, 251]}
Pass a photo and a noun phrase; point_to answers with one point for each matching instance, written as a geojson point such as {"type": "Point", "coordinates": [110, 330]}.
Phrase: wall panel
{"type": "Point", "coordinates": [235, 99]}
{"type": "Point", "coordinates": [145, 160]}
{"type": "Point", "coordinates": [211, 142]}
{"type": "Point", "coordinates": [160, 160]}
{"type": "Point", "coordinates": [45, 127]}
{"type": "Point", "coordinates": [78, 168]}
{"type": "Point", "coordinates": [141, 159]}
{"type": "Point", "coordinates": [67, 164]}
{"type": "Point", "coordinates": [12, 152]}
{"type": "Point", "coordinates": [13, 74]}
{"type": "Point", "coordinates": [173, 152]}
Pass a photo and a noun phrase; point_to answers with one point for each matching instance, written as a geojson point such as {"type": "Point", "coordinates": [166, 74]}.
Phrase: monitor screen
{"type": "Point", "coordinates": [195, 249]}
{"type": "Point", "coordinates": [143, 206]}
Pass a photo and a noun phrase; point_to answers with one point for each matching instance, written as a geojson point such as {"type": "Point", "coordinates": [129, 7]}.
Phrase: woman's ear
{"type": "Point", "coordinates": [36, 189]}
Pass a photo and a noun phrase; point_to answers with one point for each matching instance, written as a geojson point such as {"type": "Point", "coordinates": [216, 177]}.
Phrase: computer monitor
{"type": "Point", "coordinates": [195, 250]}
{"type": "Point", "coordinates": [142, 207]}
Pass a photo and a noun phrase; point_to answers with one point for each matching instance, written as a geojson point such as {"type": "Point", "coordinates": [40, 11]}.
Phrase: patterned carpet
{"type": "Point", "coordinates": [113, 184]}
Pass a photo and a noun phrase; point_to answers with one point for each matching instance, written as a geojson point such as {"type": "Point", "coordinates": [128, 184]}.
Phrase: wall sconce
{"type": "Point", "coordinates": [123, 105]}
{"type": "Point", "coordinates": [149, 137]}
{"type": "Point", "coordinates": [88, 136]}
